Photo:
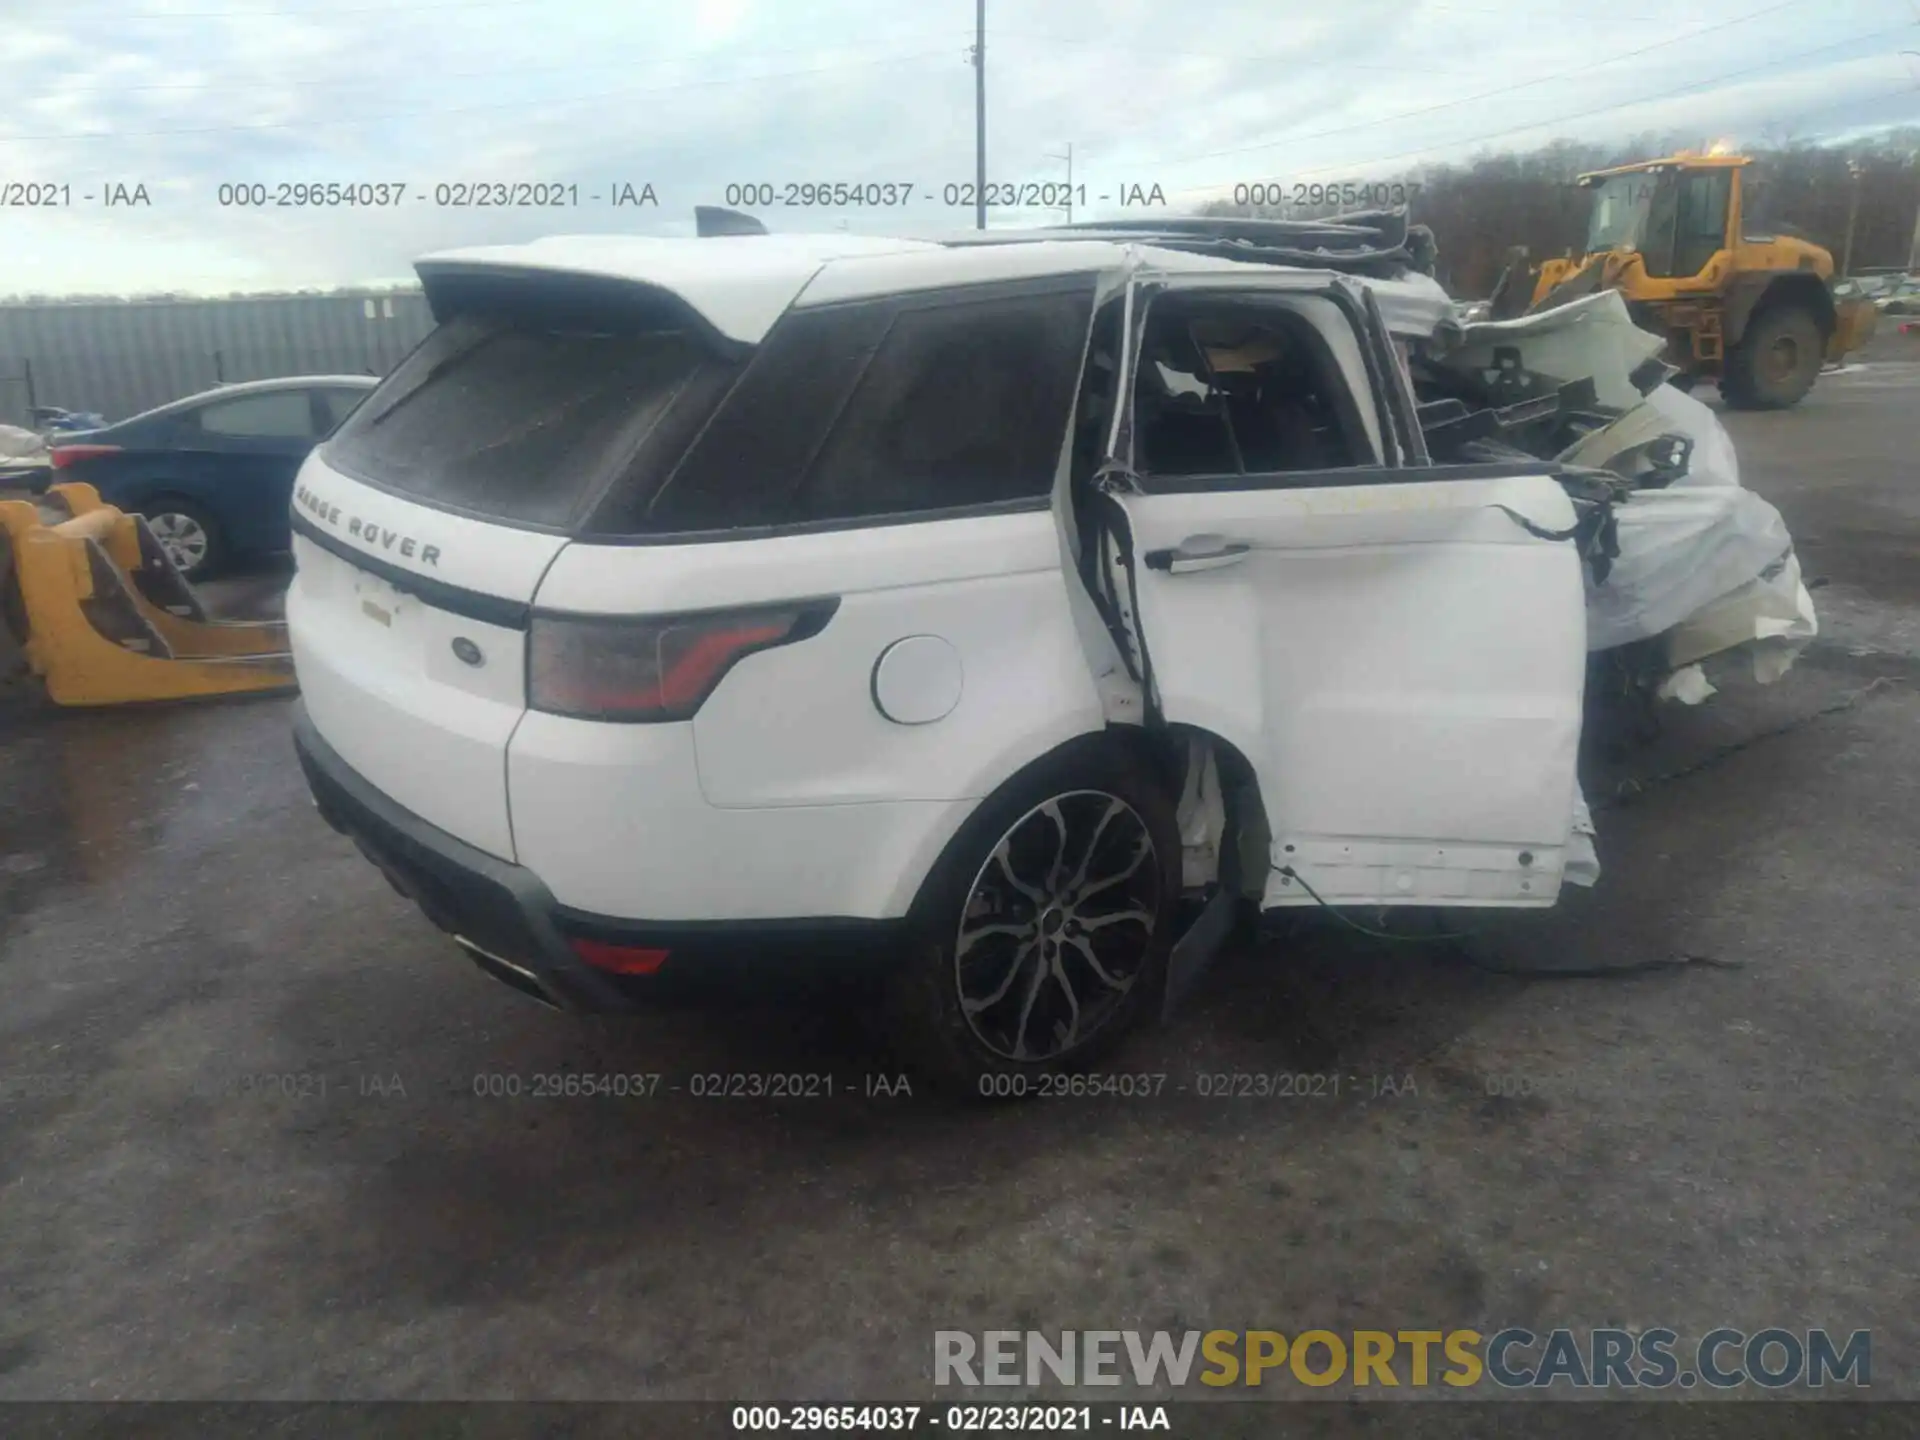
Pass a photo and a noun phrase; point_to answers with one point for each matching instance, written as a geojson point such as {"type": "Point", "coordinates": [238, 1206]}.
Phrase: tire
{"type": "Point", "coordinates": [1776, 361]}
{"type": "Point", "coordinates": [1002, 987]}
{"type": "Point", "coordinates": [190, 536]}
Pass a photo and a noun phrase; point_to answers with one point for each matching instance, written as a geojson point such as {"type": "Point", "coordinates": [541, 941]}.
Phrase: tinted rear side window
{"type": "Point", "coordinates": [889, 407]}
{"type": "Point", "coordinates": [517, 417]}
{"type": "Point", "coordinates": [964, 404]}
{"type": "Point", "coordinates": [743, 470]}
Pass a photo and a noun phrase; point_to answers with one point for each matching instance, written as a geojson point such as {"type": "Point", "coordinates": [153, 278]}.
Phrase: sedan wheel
{"type": "Point", "coordinates": [185, 539]}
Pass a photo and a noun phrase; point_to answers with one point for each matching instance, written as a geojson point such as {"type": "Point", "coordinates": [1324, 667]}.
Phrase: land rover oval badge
{"type": "Point", "coordinates": [467, 652]}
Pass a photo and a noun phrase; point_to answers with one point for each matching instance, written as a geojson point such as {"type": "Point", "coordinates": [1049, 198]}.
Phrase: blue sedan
{"type": "Point", "coordinates": [213, 473]}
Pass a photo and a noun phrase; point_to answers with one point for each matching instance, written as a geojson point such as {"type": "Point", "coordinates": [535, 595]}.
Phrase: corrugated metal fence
{"type": "Point", "coordinates": [124, 356]}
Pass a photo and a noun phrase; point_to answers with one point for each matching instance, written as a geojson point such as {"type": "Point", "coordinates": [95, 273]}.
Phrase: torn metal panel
{"type": "Point", "coordinates": [1592, 337]}
{"type": "Point", "coordinates": [1710, 460]}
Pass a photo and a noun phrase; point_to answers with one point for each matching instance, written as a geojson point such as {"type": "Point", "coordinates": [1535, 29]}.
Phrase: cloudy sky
{"type": "Point", "coordinates": [185, 96]}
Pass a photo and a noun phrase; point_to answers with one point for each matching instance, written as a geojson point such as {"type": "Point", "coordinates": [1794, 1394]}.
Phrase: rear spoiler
{"type": "Point", "coordinates": [591, 301]}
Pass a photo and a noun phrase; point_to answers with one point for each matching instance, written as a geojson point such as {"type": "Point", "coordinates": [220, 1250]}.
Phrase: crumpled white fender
{"type": "Point", "coordinates": [1681, 549]}
{"type": "Point", "coordinates": [1705, 559]}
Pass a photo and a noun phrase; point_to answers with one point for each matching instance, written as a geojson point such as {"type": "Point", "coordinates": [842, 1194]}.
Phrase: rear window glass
{"type": "Point", "coordinates": [506, 414]}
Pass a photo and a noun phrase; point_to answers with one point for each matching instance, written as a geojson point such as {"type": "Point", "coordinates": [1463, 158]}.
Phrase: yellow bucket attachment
{"type": "Point", "coordinates": [104, 618]}
{"type": "Point", "coordinates": [1855, 321]}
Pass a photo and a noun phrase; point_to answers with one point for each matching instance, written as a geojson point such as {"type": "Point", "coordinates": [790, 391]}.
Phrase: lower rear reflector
{"type": "Point", "coordinates": [619, 959]}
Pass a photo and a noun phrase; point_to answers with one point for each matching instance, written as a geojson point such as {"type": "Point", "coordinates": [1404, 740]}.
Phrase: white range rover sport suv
{"type": "Point", "coordinates": [1002, 612]}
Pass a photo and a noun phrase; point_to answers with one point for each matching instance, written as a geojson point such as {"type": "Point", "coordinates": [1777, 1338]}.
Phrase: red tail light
{"type": "Point", "coordinates": [66, 455]}
{"type": "Point", "coordinates": [619, 959]}
{"type": "Point", "coordinates": [655, 669]}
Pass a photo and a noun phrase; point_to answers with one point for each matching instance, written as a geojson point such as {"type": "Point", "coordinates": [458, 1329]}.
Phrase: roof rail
{"type": "Point", "coordinates": [1378, 243]}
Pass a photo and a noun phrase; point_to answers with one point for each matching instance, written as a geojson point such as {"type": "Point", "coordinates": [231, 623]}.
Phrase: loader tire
{"type": "Point", "coordinates": [1776, 361]}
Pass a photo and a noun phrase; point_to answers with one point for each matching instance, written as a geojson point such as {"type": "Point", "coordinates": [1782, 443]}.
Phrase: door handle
{"type": "Point", "coordinates": [1198, 552]}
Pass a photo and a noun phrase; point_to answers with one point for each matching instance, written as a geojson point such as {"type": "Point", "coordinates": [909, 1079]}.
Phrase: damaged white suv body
{"type": "Point", "coordinates": [985, 611]}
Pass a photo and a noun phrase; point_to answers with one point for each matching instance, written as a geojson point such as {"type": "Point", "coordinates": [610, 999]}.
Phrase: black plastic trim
{"type": "Point", "coordinates": [1337, 479]}
{"type": "Point", "coordinates": [419, 857]}
{"type": "Point", "coordinates": [740, 939]}
{"type": "Point", "coordinates": [1023, 505]}
{"type": "Point", "coordinates": [456, 599]}
{"type": "Point", "coordinates": [462, 890]}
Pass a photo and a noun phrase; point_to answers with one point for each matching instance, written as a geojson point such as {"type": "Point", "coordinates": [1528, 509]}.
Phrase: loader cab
{"type": "Point", "coordinates": [1676, 216]}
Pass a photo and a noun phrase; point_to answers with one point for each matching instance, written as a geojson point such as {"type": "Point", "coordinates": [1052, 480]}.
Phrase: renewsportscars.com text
{"type": "Point", "coordinates": [1772, 1358]}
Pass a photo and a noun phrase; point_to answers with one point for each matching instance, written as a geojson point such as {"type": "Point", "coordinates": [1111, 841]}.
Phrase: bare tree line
{"type": "Point", "coordinates": [1479, 209]}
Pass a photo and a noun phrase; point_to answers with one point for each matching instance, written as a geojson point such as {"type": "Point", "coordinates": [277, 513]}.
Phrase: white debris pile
{"type": "Point", "coordinates": [21, 448]}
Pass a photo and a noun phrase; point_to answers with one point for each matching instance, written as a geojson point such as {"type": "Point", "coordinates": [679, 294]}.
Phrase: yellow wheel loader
{"type": "Point", "coordinates": [1679, 239]}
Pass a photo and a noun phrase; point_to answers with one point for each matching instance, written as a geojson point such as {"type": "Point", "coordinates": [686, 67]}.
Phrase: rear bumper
{"type": "Point", "coordinates": [508, 922]}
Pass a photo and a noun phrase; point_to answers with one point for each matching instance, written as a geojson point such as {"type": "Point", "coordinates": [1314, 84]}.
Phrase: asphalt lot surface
{"type": "Point", "coordinates": [1689, 1147]}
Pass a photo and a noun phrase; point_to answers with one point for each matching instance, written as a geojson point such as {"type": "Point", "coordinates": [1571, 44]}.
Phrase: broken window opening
{"type": "Point", "coordinates": [1238, 388]}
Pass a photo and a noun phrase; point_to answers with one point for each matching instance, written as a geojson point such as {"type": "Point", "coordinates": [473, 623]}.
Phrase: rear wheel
{"type": "Point", "coordinates": [188, 535]}
{"type": "Point", "coordinates": [1042, 934]}
{"type": "Point", "coordinates": [1776, 361]}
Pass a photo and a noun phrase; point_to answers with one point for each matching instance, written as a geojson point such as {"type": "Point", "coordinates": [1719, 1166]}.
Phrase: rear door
{"type": "Point", "coordinates": [423, 527]}
{"type": "Point", "coordinates": [249, 448]}
{"type": "Point", "coordinates": [1399, 658]}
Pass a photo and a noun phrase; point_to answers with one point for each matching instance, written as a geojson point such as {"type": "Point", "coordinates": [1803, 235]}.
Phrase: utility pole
{"type": "Point", "coordinates": [980, 114]}
{"type": "Point", "coordinates": [1068, 157]}
{"type": "Point", "coordinates": [1913, 246]}
{"type": "Point", "coordinates": [1854, 170]}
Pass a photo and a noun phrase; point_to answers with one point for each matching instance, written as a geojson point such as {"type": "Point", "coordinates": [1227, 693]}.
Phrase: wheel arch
{"type": "Point", "coordinates": [1754, 293]}
{"type": "Point", "coordinates": [1165, 755]}
{"type": "Point", "coordinates": [156, 494]}
{"type": "Point", "coordinates": [937, 843]}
